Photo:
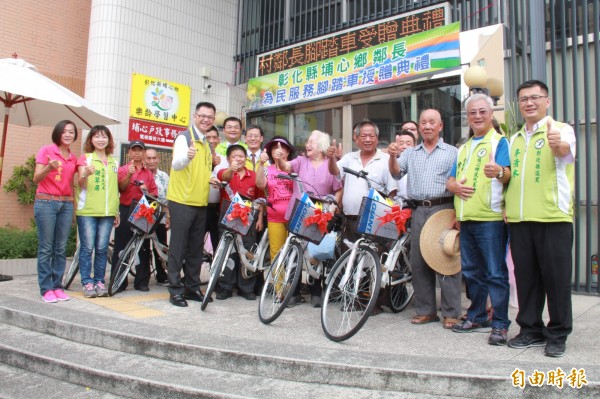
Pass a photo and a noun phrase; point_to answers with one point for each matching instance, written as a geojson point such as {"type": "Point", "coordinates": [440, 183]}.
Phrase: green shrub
{"type": "Point", "coordinates": [17, 244]}
{"type": "Point", "coordinates": [22, 183]}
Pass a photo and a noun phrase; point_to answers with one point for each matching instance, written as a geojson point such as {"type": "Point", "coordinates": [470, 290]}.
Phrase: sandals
{"type": "Point", "coordinates": [424, 319]}
{"type": "Point", "coordinates": [449, 322]}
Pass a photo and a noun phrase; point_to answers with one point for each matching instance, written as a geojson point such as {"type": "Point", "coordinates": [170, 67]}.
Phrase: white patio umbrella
{"type": "Point", "coordinates": [31, 99]}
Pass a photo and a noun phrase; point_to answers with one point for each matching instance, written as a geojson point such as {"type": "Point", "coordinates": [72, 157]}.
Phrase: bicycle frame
{"type": "Point", "coordinates": [253, 262]}
{"type": "Point", "coordinates": [390, 261]}
{"type": "Point", "coordinates": [319, 270]}
{"type": "Point", "coordinates": [392, 256]}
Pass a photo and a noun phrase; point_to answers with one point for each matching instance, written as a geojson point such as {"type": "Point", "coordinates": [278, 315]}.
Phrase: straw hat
{"type": "Point", "coordinates": [440, 245]}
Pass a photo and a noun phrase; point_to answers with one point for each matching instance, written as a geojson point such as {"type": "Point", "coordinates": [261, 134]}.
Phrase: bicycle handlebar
{"type": "Point", "coordinates": [363, 174]}
{"type": "Point", "coordinates": [294, 177]}
{"type": "Point", "coordinates": [139, 184]}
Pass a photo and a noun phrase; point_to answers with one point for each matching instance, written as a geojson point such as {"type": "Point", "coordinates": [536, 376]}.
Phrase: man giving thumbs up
{"type": "Point", "coordinates": [539, 210]}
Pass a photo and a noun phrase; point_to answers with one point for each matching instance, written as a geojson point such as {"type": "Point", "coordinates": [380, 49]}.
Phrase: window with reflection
{"type": "Point", "coordinates": [273, 124]}
{"type": "Point", "coordinates": [328, 121]}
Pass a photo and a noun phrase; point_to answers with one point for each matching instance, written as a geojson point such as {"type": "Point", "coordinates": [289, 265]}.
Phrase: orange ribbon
{"type": "Point", "coordinates": [320, 219]}
{"type": "Point", "coordinates": [239, 211]}
{"type": "Point", "coordinates": [399, 216]}
{"type": "Point", "coordinates": [145, 211]}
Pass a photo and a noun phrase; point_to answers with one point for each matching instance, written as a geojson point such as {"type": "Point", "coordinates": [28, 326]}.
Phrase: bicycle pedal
{"type": "Point", "coordinates": [396, 274]}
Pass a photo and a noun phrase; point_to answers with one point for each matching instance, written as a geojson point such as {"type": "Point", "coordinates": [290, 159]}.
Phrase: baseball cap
{"type": "Point", "coordinates": [137, 143]}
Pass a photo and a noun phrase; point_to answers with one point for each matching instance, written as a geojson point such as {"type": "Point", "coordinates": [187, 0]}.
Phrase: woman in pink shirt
{"type": "Point", "coordinates": [312, 169]}
{"type": "Point", "coordinates": [279, 191]}
{"type": "Point", "coordinates": [53, 209]}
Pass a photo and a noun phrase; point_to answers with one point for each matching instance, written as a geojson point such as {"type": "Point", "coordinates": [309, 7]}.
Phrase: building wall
{"type": "Point", "coordinates": [94, 46]}
{"type": "Point", "coordinates": [53, 36]}
{"type": "Point", "coordinates": [169, 40]}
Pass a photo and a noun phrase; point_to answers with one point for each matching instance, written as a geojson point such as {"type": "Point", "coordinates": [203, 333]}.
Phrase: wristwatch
{"type": "Point", "coordinates": [501, 173]}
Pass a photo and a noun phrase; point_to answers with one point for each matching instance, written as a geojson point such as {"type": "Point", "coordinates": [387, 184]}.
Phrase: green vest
{"type": "Point", "coordinates": [486, 202]}
{"type": "Point", "coordinates": [101, 197]}
{"type": "Point", "coordinates": [189, 186]}
{"type": "Point", "coordinates": [541, 186]}
{"type": "Point", "coordinates": [221, 148]}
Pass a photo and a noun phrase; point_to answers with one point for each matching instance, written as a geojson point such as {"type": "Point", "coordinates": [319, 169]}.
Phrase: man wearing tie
{"type": "Point", "coordinates": [188, 198]}
{"type": "Point", "coordinates": [254, 139]}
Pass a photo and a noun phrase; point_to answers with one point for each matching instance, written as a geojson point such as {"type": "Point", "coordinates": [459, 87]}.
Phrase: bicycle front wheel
{"type": "Point", "coordinates": [126, 261]}
{"type": "Point", "coordinates": [351, 294]}
{"type": "Point", "coordinates": [280, 283]}
{"type": "Point", "coordinates": [400, 289]}
{"type": "Point", "coordinates": [72, 270]}
{"type": "Point", "coordinates": [219, 259]}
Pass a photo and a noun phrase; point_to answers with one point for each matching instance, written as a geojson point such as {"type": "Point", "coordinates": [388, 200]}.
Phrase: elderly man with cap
{"type": "Point", "coordinates": [477, 181]}
{"type": "Point", "coordinates": [428, 167]}
{"type": "Point", "coordinates": [133, 178]}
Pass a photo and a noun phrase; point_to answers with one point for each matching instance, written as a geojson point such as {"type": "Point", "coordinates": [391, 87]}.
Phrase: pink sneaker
{"type": "Point", "coordinates": [60, 295]}
{"type": "Point", "coordinates": [49, 297]}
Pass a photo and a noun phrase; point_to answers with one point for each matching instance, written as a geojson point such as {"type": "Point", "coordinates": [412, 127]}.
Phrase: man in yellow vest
{"type": "Point", "coordinates": [539, 210]}
{"type": "Point", "coordinates": [477, 181]}
{"type": "Point", "coordinates": [188, 198]}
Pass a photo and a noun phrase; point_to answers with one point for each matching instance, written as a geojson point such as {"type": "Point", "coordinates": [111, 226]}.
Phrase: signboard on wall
{"type": "Point", "coordinates": [386, 63]}
{"type": "Point", "coordinates": [158, 110]}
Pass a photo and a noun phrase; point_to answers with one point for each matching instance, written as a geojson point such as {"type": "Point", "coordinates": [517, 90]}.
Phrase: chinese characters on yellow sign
{"type": "Point", "coordinates": [372, 56]}
{"type": "Point", "coordinates": [158, 110]}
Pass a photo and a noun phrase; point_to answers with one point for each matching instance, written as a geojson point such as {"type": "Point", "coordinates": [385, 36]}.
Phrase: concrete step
{"type": "Point", "coordinates": [190, 343]}
{"type": "Point", "coordinates": [16, 383]}
{"type": "Point", "coordinates": [257, 357]}
{"type": "Point", "coordinates": [140, 376]}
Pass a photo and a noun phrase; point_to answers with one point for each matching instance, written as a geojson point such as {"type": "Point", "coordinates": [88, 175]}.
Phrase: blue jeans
{"type": "Point", "coordinates": [53, 219]}
{"type": "Point", "coordinates": [483, 259]}
{"type": "Point", "coordinates": [94, 233]}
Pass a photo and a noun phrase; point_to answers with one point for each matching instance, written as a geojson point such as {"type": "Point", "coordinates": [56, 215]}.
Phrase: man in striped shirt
{"type": "Point", "coordinates": [428, 166]}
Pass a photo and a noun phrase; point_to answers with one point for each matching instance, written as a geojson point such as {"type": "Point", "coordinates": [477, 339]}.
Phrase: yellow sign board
{"type": "Point", "coordinates": [158, 100]}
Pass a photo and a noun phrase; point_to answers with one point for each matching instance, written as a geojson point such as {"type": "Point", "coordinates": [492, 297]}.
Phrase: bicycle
{"type": "Point", "coordinates": [73, 267]}
{"type": "Point", "coordinates": [354, 283]}
{"type": "Point", "coordinates": [252, 260]}
{"type": "Point", "coordinates": [285, 271]}
{"type": "Point", "coordinates": [128, 256]}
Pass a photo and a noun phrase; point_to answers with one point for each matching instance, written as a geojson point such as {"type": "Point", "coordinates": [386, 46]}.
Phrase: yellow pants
{"type": "Point", "coordinates": [277, 236]}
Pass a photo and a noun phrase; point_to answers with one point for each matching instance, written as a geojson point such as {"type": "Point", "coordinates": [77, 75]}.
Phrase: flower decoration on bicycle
{"type": "Point", "coordinates": [145, 214]}
{"type": "Point", "coordinates": [310, 218]}
{"type": "Point", "coordinates": [239, 214]}
{"type": "Point", "coordinates": [379, 216]}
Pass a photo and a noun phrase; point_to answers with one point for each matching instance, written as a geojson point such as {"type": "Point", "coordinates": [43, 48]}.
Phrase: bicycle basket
{"type": "Point", "coordinates": [308, 220]}
{"type": "Point", "coordinates": [378, 219]}
{"type": "Point", "coordinates": [144, 215]}
{"type": "Point", "coordinates": [238, 217]}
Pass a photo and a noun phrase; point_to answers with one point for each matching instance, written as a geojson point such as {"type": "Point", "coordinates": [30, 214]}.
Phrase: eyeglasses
{"type": "Point", "coordinates": [367, 136]}
{"type": "Point", "coordinates": [482, 112]}
{"type": "Point", "coordinates": [202, 116]}
{"type": "Point", "coordinates": [534, 99]}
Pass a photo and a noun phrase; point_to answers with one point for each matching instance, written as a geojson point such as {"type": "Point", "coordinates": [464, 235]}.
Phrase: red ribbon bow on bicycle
{"type": "Point", "coordinates": [145, 211]}
{"type": "Point", "coordinates": [399, 216]}
{"type": "Point", "coordinates": [239, 211]}
{"type": "Point", "coordinates": [320, 219]}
